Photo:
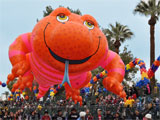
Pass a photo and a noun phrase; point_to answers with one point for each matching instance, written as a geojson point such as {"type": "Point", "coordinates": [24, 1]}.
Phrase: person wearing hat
{"type": "Point", "coordinates": [82, 115]}
{"type": "Point", "coordinates": [148, 117]}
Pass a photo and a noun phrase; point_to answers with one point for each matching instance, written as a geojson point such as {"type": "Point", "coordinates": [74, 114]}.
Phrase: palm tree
{"type": "Point", "coordinates": [49, 9]}
{"type": "Point", "coordinates": [152, 9]}
{"type": "Point", "coordinates": [118, 34]}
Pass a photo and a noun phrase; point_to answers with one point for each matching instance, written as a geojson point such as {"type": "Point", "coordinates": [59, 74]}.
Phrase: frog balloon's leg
{"type": "Point", "coordinates": [77, 82]}
{"type": "Point", "coordinates": [116, 70]}
{"type": "Point", "coordinates": [42, 90]}
{"type": "Point", "coordinates": [18, 51]}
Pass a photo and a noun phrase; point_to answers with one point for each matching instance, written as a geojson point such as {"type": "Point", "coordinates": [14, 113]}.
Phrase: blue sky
{"type": "Point", "coordinates": [19, 16]}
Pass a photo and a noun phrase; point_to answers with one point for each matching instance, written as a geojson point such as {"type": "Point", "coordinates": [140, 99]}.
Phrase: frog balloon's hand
{"type": "Point", "coordinates": [18, 55]}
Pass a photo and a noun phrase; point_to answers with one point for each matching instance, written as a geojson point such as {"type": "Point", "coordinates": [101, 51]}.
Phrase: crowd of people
{"type": "Point", "coordinates": [103, 107]}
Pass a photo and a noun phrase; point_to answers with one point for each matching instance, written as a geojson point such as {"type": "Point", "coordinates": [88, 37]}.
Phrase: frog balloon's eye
{"type": "Point", "coordinates": [89, 24]}
{"type": "Point", "coordinates": [62, 17]}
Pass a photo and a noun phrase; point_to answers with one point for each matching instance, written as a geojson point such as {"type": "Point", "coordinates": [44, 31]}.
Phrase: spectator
{"type": "Point", "coordinates": [99, 115]}
{"type": "Point", "coordinates": [11, 115]}
{"type": "Point", "coordinates": [5, 117]}
{"type": "Point", "coordinates": [108, 115]}
{"type": "Point", "coordinates": [74, 115]}
{"type": "Point", "coordinates": [32, 117]}
{"type": "Point", "coordinates": [148, 117]}
{"type": "Point", "coordinates": [46, 116]}
{"type": "Point", "coordinates": [15, 117]}
{"type": "Point", "coordinates": [82, 116]}
{"type": "Point", "coordinates": [117, 116]}
{"type": "Point", "coordinates": [37, 115]}
{"type": "Point", "coordinates": [59, 116]}
{"type": "Point", "coordinates": [90, 117]}
{"type": "Point", "coordinates": [87, 113]}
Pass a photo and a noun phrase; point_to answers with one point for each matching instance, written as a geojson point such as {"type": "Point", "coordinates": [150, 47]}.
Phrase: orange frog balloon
{"type": "Point", "coordinates": [63, 48]}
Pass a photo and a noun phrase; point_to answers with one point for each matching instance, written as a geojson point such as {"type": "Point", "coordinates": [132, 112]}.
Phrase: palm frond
{"type": "Point", "coordinates": [149, 8]}
{"type": "Point", "coordinates": [118, 32]}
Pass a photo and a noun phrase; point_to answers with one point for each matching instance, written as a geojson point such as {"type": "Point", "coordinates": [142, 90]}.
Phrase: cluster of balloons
{"type": "Point", "coordinates": [52, 92]}
{"type": "Point", "coordinates": [10, 98]}
{"type": "Point", "coordinates": [97, 77]}
{"type": "Point", "coordinates": [144, 76]}
{"type": "Point", "coordinates": [154, 68]}
{"type": "Point", "coordinates": [35, 90]}
{"type": "Point", "coordinates": [26, 97]}
{"type": "Point", "coordinates": [129, 102]}
{"type": "Point", "coordinates": [93, 81]}
{"type": "Point", "coordinates": [85, 89]}
{"type": "Point", "coordinates": [18, 93]}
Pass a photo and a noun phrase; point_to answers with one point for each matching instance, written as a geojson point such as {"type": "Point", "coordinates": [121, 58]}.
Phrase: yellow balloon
{"type": "Point", "coordinates": [24, 93]}
{"type": "Point", "coordinates": [128, 67]}
{"type": "Point", "coordinates": [104, 73]}
{"type": "Point", "coordinates": [96, 93]}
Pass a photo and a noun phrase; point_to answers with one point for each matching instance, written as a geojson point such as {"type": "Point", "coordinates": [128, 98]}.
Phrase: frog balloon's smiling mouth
{"type": "Point", "coordinates": [61, 59]}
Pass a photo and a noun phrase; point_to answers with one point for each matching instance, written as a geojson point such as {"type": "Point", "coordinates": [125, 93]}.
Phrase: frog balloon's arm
{"type": "Point", "coordinates": [116, 70]}
{"type": "Point", "coordinates": [18, 51]}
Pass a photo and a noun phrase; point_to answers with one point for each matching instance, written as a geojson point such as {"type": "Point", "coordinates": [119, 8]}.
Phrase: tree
{"type": "Point", "coordinates": [11, 83]}
{"type": "Point", "coordinates": [118, 34]}
{"type": "Point", "coordinates": [127, 57]}
{"type": "Point", "coordinates": [49, 9]}
{"type": "Point", "coordinates": [152, 9]}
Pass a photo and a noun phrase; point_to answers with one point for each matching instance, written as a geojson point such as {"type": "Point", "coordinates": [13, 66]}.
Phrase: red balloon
{"type": "Point", "coordinates": [26, 97]}
{"type": "Point", "coordinates": [34, 88]}
{"type": "Point", "coordinates": [79, 98]}
{"type": "Point", "coordinates": [74, 97]}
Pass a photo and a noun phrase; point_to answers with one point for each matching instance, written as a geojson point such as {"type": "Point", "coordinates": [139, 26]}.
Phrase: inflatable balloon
{"type": "Point", "coordinates": [129, 102]}
{"type": "Point", "coordinates": [62, 49]}
{"type": "Point", "coordinates": [154, 68]}
{"type": "Point", "coordinates": [3, 84]}
{"type": "Point", "coordinates": [144, 76]}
